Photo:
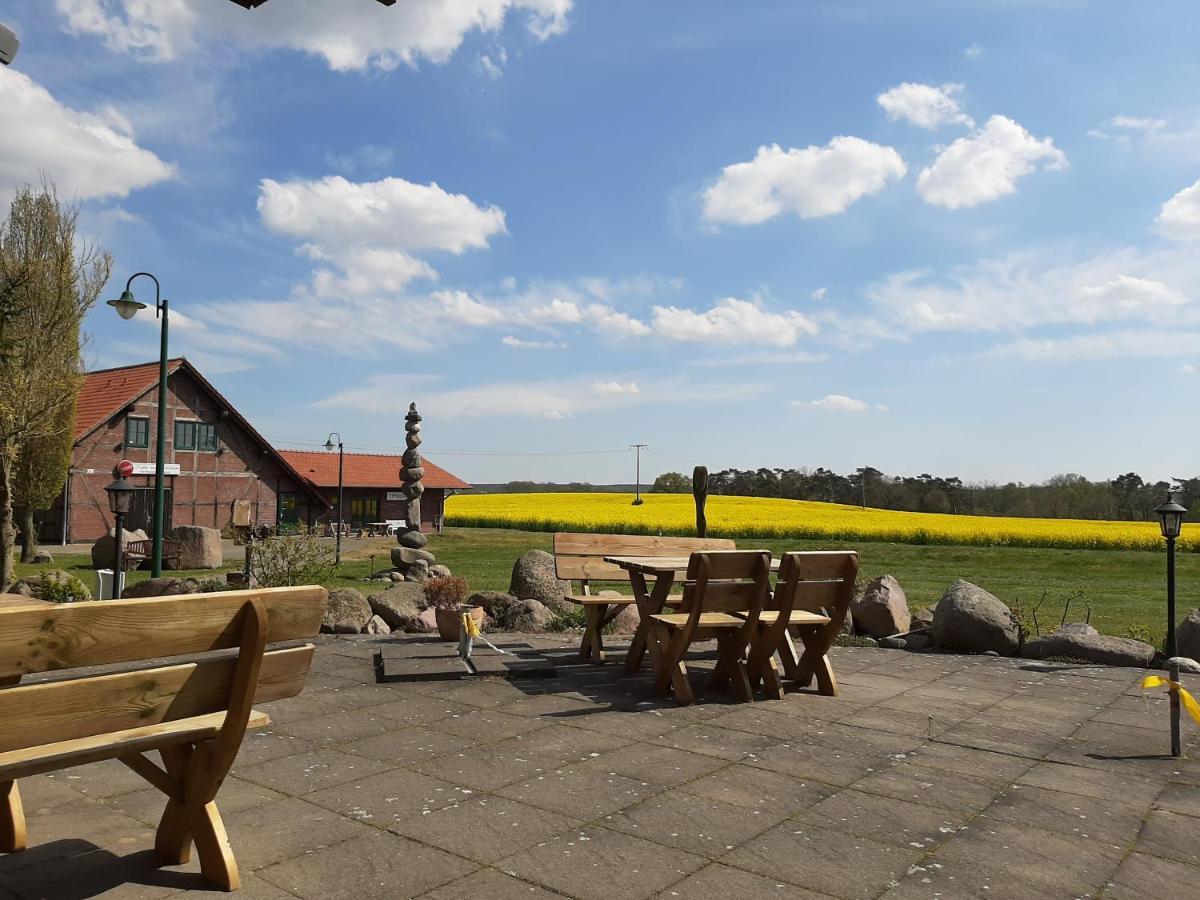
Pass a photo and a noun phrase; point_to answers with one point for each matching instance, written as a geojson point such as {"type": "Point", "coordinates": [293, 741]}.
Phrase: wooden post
{"type": "Point", "coordinates": [700, 493]}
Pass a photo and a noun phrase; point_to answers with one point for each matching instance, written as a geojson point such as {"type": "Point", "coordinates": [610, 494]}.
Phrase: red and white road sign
{"type": "Point", "coordinates": [123, 469]}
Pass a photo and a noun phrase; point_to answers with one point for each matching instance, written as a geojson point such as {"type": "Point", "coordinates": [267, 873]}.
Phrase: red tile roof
{"type": "Point", "coordinates": [106, 392]}
{"type": "Point", "coordinates": [364, 470]}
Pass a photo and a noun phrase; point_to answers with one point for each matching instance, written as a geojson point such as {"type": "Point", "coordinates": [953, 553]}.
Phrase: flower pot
{"type": "Point", "coordinates": [449, 621]}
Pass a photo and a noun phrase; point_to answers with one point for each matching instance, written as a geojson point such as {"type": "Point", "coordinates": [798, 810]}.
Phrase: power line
{"type": "Point", "coordinates": [280, 441]}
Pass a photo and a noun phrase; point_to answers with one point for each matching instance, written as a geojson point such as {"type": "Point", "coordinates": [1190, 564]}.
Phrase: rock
{"type": "Point", "coordinates": [917, 643]}
{"type": "Point", "coordinates": [494, 603]}
{"type": "Point", "coordinates": [418, 571]}
{"type": "Point", "coordinates": [1076, 628]}
{"type": "Point", "coordinates": [346, 612]}
{"type": "Point", "coordinates": [399, 605]}
{"type": "Point", "coordinates": [893, 643]}
{"type": "Point", "coordinates": [163, 587]}
{"type": "Point", "coordinates": [627, 620]}
{"type": "Point", "coordinates": [848, 625]}
{"type": "Point", "coordinates": [376, 625]}
{"type": "Point", "coordinates": [882, 609]}
{"type": "Point", "coordinates": [1185, 665]}
{"type": "Point", "coordinates": [426, 621]}
{"type": "Point", "coordinates": [32, 585]}
{"type": "Point", "coordinates": [199, 547]}
{"type": "Point", "coordinates": [969, 619]}
{"type": "Point", "coordinates": [406, 556]}
{"type": "Point", "coordinates": [1101, 649]}
{"type": "Point", "coordinates": [439, 571]}
{"type": "Point", "coordinates": [1187, 636]}
{"type": "Point", "coordinates": [42, 556]}
{"type": "Point", "coordinates": [527, 616]}
{"type": "Point", "coordinates": [991, 653]}
{"type": "Point", "coordinates": [412, 539]}
{"type": "Point", "coordinates": [533, 578]}
{"type": "Point", "coordinates": [396, 576]}
{"type": "Point", "coordinates": [609, 594]}
{"type": "Point", "coordinates": [922, 618]}
{"type": "Point", "coordinates": [102, 550]}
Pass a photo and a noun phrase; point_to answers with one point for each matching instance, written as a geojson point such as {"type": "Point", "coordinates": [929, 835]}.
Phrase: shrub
{"type": "Point", "coordinates": [446, 592]}
{"type": "Point", "coordinates": [67, 591]}
{"type": "Point", "coordinates": [288, 561]}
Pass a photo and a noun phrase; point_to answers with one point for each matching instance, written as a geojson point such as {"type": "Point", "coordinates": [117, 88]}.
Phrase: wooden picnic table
{"type": "Point", "coordinates": [376, 528]}
{"type": "Point", "coordinates": [650, 601]}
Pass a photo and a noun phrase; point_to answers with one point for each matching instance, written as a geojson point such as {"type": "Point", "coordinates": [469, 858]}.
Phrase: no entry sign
{"type": "Point", "coordinates": [123, 469]}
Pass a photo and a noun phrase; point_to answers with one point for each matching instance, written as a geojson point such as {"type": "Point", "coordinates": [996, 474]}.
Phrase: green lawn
{"type": "Point", "coordinates": [1124, 587]}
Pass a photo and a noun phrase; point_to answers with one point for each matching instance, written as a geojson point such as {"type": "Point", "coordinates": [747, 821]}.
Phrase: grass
{"type": "Point", "coordinates": [1124, 587]}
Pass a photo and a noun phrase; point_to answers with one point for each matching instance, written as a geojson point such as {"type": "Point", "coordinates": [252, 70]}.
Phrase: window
{"type": "Point", "coordinates": [137, 431]}
{"type": "Point", "coordinates": [195, 436]}
{"type": "Point", "coordinates": [363, 510]}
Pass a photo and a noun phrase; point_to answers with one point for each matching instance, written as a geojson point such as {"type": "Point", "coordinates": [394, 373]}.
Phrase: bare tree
{"type": "Point", "coordinates": [48, 282]}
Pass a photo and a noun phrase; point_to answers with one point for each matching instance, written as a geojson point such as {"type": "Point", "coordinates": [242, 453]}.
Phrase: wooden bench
{"type": "Point", "coordinates": [138, 552]}
{"type": "Point", "coordinates": [580, 557]}
{"type": "Point", "coordinates": [194, 711]}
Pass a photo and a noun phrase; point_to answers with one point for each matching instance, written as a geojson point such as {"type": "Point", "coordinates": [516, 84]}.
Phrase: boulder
{"type": "Point", "coordinates": [102, 550]}
{"type": "Point", "coordinates": [426, 621]}
{"type": "Point", "coordinates": [376, 625]}
{"type": "Point", "coordinates": [882, 609]}
{"type": "Point", "coordinates": [1185, 664]}
{"type": "Point", "coordinates": [527, 616]}
{"type": "Point", "coordinates": [439, 571]}
{"type": "Point", "coordinates": [412, 539]}
{"type": "Point", "coordinates": [346, 612]}
{"type": "Point", "coordinates": [418, 571]}
{"type": "Point", "coordinates": [199, 547]}
{"type": "Point", "coordinates": [1081, 628]}
{"type": "Point", "coordinates": [922, 618]}
{"type": "Point", "coordinates": [1187, 636]}
{"type": "Point", "coordinates": [399, 605]}
{"type": "Point", "coordinates": [533, 578]}
{"type": "Point", "coordinates": [40, 557]}
{"type": "Point", "coordinates": [396, 576]}
{"type": "Point", "coordinates": [969, 619]}
{"type": "Point", "coordinates": [31, 585]}
{"type": "Point", "coordinates": [627, 620]}
{"type": "Point", "coordinates": [163, 587]}
{"type": "Point", "coordinates": [494, 603]}
{"type": "Point", "coordinates": [1101, 649]}
{"type": "Point", "coordinates": [403, 557]}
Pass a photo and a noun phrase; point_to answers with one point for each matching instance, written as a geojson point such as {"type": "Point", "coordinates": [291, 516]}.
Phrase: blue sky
{"type": "Point", "coordinates": [918, 236]}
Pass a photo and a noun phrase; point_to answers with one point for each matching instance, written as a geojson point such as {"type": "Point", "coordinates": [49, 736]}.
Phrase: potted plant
{"type": "Point", "coordinates": [447, 595]}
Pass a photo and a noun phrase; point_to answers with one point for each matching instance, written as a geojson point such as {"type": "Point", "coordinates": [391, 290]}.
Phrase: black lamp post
{"type": "Point", "coordinates": [1170, 520]}
{"type": "Point", "coordinates": [120, 495]}
{"type": "Point", "coordinates": [341, 458]}
{"type": "Point", "coordinates": [127, 307]}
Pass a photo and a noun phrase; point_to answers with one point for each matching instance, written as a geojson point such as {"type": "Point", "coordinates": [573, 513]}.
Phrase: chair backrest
{"type": "Point", "coordinates": [64, 637]}
{"type": "Point", "coordinates": [727, 581]}
{"type": "Point", "coordinates": [580, 557]}
{"type": "Point", "coordinates": [818, 581]}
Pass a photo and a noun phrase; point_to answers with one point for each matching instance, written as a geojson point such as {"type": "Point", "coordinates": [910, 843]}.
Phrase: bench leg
{"type": "Point", "coordinates": [195, 819]}
{"type": "Point", "coordinates": [12, 818]}
{"type": "Point", "coordinates": [592, 646]}
{"type": "Point", "coordinates": [173, 840]}
{"type": "Point", "coordinates": [815, 662]}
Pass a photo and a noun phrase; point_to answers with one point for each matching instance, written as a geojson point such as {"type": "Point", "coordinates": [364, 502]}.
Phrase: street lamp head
{"type": "Point", "coordinates": [1170, 517]}
{"type": "Point", "coordinates": [126, 306]}
{"type": "Point", "coordinates": [120, 496]}
{"type": "Point", "coordinates": [329, 444]}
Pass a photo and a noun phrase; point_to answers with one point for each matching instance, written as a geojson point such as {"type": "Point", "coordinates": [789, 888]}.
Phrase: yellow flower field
{"type": "Point", "coordinates": [766, 517]}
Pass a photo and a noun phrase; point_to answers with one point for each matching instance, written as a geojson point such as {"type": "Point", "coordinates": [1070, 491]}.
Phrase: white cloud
{"type": "Point", "coordinates": [810, 182]}
{"type": "Point", "coordinates": [491, 65]}
{"type": "Point", "coordinates": [368, 156]}
{"type": "Point", "coordinates": [615, 387]}
{"type": "Point", "coordinates": [348, 36]}
{"type": "Point", "coordinates": [925, 105]}
{"type": "Point", "coordinates": [733, 321]}
{"type": "Point", "coordinates": [87, 154]}
{"type": "Point", "coordinates": [973, 51]}
{"type": "Point", "coordinates": [461, 308]}
{"type": "Point", "coordinates": [1180, 216]}
{"type": "Point", "coordinates": [986, 164]}
{"type": "Point", "coordinates": [1187, 369]}
{"type": "Point", "coordinates": [1137, 123]}
{"type": "Point", "coordinates": [836, 403]}
{"type": "Point", "coordinates": [364, 270]}
{"type": "Point", "coordinates": [820, 293]}
{"type": "Point", "coordinates": [600, 316]}
{"type": "Point", "coordinates": [519, 344]}
{"type": "Point", "coordinates": [1122, 344]}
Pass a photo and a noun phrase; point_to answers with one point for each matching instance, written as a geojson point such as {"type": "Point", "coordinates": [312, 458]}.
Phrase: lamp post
{"type": "Point", "coordinates": [120, 495]}
{"type": "Point", "coordinates": [337, 553]}
{"type": "Point", "coordinates": [127, 307]}
{"type": "Point", "coordinates": [1170, 520]}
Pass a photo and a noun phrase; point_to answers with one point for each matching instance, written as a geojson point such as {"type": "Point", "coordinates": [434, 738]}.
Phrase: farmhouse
{"type": "Point", "coordinates": [214, 458]}
{"type": "Point", "coordinates": [371, 486]}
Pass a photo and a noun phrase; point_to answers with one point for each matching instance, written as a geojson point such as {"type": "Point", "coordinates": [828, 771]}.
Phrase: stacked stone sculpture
{"type": "Point", "coordinates": [411, 473]}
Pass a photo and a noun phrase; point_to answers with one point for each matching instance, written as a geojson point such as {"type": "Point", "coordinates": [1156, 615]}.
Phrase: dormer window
{"type": "Point", "coordinates": [137, 431]}
{"type": "Point", "coordinates": [195, 436]}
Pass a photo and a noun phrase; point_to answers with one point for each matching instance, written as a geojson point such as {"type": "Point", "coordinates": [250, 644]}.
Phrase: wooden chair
{"type": "Point", "coordinates": [723, 596]}
{"type": "Point", "coordinates": [580, 557]}
{"type": "Point", "coordinates": [811, 599]}
{"type": "Point", "coordinates": [193, 711]}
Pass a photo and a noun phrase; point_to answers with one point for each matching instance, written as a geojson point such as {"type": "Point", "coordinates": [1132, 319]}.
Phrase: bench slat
{"type": "Point", "coordinates": [49, 757]}
{"type": "Point", "coordinates": [77, 708]}
{"type": "Point", "coordinates": [580, 556]}
{"type": "Point", "coordinates": [71, 635]}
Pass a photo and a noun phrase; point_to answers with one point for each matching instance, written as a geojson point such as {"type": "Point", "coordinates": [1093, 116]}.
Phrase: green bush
{"type": "Point", "coordinates": [289, 561]}
{"type": "Point", "coordinates": [69, 590]}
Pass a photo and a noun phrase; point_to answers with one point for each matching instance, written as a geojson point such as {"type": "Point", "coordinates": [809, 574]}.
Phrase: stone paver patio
{"type": "Point", "coordinates": [930, 776]}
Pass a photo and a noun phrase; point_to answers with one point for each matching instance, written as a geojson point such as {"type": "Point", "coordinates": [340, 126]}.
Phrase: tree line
{"type": "Point", "coordinates": [48, 282]}
{"type": "Point", "coordinates": [1125, 497]}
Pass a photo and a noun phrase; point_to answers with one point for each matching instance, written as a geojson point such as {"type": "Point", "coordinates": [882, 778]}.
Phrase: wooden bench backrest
{"type": "Point", "coordinates": [72, 635]}
{"type": "Point", "coordinates": [819, 581]}
{"type": "Point", "coordinates": [580, 557]}
{"type": "Point", "coordinates": [727, 581]}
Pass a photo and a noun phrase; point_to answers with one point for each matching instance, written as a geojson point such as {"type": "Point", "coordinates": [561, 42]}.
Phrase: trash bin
{"type": "Point", "coordinates": [104, 584]}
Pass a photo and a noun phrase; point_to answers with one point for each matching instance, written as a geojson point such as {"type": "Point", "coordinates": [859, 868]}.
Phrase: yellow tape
{"type": "Point", "coordinates": [470, 625]}
{"type": "Point", "coordinates": [1188, 701]}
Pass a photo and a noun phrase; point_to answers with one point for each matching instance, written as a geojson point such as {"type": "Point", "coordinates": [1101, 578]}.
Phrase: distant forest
{"type": "Point", "coordinates": [1126, 497]}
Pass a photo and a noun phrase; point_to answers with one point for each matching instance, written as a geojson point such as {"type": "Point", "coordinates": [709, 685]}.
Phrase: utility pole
{"type": "Point", "coordinates": [637, 497]}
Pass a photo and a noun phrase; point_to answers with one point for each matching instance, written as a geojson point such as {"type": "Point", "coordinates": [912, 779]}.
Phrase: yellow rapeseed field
{"type": "Point", "coordinates": [739, 517]}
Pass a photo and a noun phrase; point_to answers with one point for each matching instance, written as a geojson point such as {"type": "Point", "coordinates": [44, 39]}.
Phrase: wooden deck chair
{"type": "Point", "coordinates": [194, 711]}
{"type": "Point", "coordinates": [720, 585]}
{"type": "Point", "coordinates": [811, 600]}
